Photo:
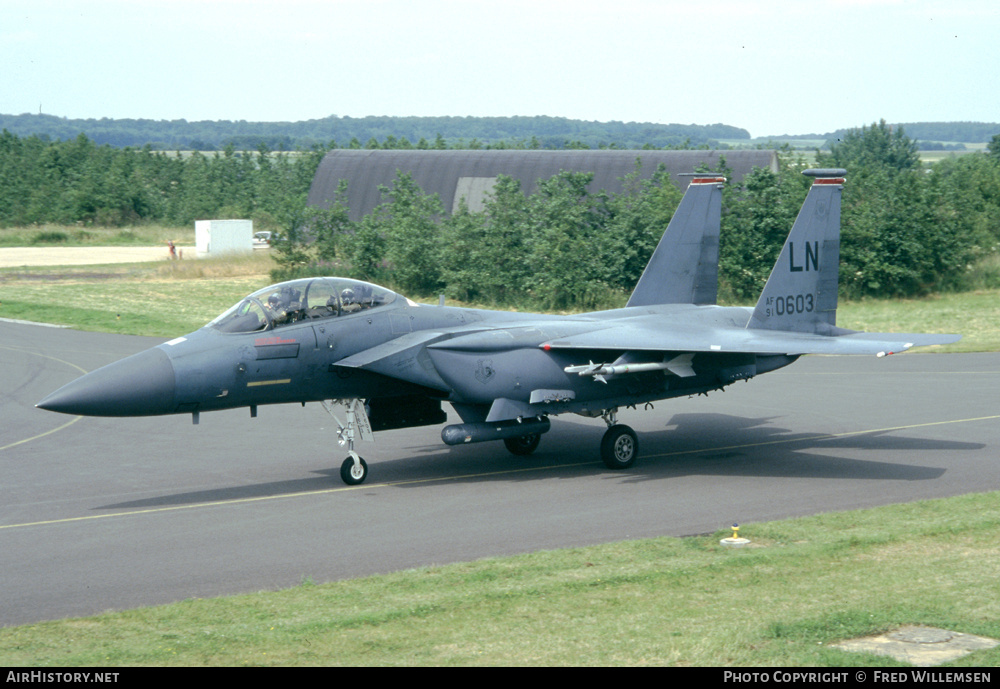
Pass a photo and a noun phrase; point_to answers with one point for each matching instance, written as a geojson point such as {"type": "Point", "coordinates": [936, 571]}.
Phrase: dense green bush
{"type": "Point", "coordinates": [906, 231]}
{"type": "Point", "coordinates": [50, 237]}
{"type": "Point", "coordinates": [562, 247]}
{"type": "Point", "coordinates": [78, 182]}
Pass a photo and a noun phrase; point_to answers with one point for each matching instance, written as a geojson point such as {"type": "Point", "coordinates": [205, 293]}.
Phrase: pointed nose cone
{"type": "Point", "coordinates": [141, 385]}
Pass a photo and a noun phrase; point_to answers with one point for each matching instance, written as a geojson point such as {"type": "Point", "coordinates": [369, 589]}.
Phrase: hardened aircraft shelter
{"type": "Point", "coordinates": [471, 174]}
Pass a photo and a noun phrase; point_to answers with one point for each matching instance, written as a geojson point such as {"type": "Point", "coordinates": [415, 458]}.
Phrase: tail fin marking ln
{"type": "Point", "coordinates": [801, 292]}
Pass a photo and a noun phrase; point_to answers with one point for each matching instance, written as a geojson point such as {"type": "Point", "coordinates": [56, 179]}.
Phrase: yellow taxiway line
{"type": "Point", "coordinates": [340, 489]}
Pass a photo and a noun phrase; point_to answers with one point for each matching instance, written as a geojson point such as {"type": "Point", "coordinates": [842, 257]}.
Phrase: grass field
{"type": "Point", "coordinates": [164, 298]}
{"type": "Point", "coordinates": [63, 235]}
{"type": "Point", "coordinates": [803, 585]}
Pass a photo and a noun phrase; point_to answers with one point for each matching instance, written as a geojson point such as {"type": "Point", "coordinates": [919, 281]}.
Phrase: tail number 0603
{"type": "Point", "coordinates": [791, 305]}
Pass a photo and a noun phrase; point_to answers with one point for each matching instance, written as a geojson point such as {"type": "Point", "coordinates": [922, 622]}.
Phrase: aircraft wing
{"type": "Point", "coordinates": [701, 338]}
{"type": "Point", "coordinates": [413, 358]}
{"type": "Point", "coordinates": [402, 358]}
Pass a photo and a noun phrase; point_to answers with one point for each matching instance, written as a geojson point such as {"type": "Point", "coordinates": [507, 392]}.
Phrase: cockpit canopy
{"type": "Point", "coordinates": [300, 300]}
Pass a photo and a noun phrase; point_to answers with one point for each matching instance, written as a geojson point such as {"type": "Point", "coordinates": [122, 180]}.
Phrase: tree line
{"type": "Point", "coordinates": [562, 247]}
{"type": "Point", "coordinates": [906, 230]}
{"type": "Point", "coordinates": [926, 134]}
{"type": "Point", "coordinates": [546, 132]}
{"type": "Point", "coordinates": [81, 182]}
{"type": "Point", "coordinates": [923, 132]}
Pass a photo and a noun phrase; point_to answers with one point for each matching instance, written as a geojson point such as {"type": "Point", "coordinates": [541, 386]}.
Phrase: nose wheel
{"type": "Point", "coordinates": [354, 470]}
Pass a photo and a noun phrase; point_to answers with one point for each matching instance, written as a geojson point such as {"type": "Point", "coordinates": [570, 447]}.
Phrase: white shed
{"type": "Point", "coordinates": [214, 237]}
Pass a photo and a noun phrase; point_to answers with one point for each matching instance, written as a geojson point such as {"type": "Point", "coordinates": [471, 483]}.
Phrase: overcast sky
{"type": "Point", "coordinates": [771, 67]}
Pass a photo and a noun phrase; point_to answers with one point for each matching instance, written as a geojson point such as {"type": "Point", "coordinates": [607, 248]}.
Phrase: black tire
{"type": "Point", "coordinates": [349, 476]}
{"type": "Point", "coordinates": [523, 445]}
{"type": "Point", "coordinates": [619, 447]}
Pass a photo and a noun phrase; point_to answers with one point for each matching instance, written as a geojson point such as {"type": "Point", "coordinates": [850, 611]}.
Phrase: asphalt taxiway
{"type": "Point", "coordinates": [99, 514]}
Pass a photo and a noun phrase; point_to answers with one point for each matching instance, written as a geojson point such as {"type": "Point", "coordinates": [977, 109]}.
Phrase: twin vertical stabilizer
{"type": "Point", "coordinates": [684, 269]}
{"type": "Point", "coordinates": [801, 293]}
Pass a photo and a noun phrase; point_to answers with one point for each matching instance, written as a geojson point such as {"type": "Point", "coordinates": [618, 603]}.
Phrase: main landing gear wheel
{"type": "Point", "coordinates": [523, 445]}
{"type": "Point", "coordinates": [353, 473]}
{"type": "Point", "coordinates": [619, 447]}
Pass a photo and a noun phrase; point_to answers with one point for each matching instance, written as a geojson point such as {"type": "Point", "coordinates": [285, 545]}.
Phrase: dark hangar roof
{"type": "Point", "coordinates": [453, 174]}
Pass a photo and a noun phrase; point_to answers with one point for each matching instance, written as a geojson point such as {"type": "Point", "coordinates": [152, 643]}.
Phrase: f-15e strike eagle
{"type": "Point", "coordinates": [383, 361]}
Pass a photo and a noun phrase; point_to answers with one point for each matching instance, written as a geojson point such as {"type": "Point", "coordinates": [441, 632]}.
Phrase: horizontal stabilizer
{"type": "Point", "coordinates": [893, 343]}
{"type": "Point", "coordinates": [699, 338]}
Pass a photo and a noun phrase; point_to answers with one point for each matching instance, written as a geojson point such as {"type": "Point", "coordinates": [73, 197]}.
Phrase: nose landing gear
{"type": "Point", "coordinates": [354, 469]}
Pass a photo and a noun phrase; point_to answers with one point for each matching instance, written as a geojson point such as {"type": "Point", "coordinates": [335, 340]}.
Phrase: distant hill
{"type": "Point", "coordinates": [928, 135]}
{"type": "Point", "coordinates": [400, 132]}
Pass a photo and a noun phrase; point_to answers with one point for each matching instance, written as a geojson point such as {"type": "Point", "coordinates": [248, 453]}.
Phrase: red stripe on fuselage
{"type": "Point", "coordinates": [265, 341]}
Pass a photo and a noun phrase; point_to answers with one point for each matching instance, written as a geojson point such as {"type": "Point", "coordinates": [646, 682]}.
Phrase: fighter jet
{"type": "Point", "coordinates": [382, 361]}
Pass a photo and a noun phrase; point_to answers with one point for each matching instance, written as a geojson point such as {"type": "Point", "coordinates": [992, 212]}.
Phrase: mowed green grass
{"type": "Point", "coordinates": [165, 298]}
{"type": "Point", "coordinates": [974, 315]}
{"type": "Point", "coordinates": [72, 235]}
{"type": "Point", "coordinates": [803, 585]}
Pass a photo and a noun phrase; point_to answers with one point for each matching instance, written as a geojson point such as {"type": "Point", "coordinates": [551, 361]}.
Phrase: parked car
{"type": "Point", "coordinates": [262, 240]}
